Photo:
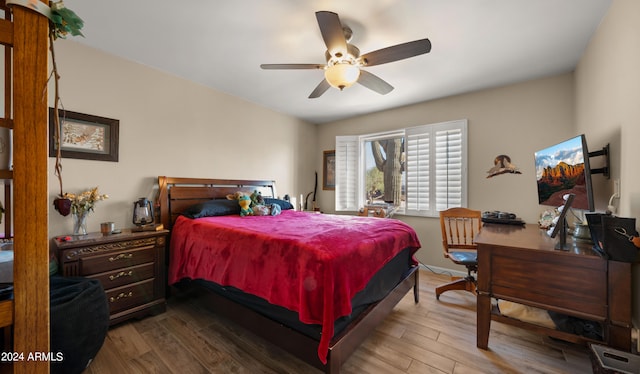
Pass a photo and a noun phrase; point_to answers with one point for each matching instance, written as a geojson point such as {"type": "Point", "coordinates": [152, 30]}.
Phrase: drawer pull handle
{"type": "Point", "coordinates": [121, 256]}
{"type": "Point", "coordinates": [121, 295]}
{"type": "Point", "coordinates": [121, 274]}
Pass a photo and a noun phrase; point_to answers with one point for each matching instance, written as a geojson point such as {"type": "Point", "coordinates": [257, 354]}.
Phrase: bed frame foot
{"type": "Point", "coordinates": [416, 288]}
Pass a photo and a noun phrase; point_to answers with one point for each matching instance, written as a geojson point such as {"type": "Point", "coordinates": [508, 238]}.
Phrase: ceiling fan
{"type": "Point", "coordinates": [344, 62]}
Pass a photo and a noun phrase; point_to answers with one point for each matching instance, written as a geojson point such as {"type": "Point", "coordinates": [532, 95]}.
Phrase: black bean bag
{"type": "Point", "coordinates": [79, 319]}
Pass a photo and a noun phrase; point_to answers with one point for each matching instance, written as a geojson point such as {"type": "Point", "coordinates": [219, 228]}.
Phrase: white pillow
{"type": "Point", "coordinates": [526, 313]}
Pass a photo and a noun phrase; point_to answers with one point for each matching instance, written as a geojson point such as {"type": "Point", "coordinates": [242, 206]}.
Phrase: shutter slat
{"type": "Point", "coordinates": [346, 178]}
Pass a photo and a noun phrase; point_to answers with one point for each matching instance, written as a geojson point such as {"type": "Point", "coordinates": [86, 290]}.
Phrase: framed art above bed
{"type": "Point", "coordinates": [329, 170]}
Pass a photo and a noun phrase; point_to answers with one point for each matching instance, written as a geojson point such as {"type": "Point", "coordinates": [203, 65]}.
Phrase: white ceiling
{"type": "Point", "coordinates": [476, 44]}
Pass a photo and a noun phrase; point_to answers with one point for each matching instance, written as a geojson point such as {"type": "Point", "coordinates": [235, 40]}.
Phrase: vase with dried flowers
{"type": "Point", "coordinates": [81, 205]}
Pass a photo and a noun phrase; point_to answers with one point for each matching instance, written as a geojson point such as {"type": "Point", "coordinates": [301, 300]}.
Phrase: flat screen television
{"type": "Point", "coordinates": [564, 169]}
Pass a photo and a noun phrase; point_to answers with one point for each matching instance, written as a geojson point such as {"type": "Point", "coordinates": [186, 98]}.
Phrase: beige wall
{"type": "Point", "coordinates": [601, 100]}
{"type": "Point", "coordinates": [515, 120]}
{"type": "Point", "coordinates": [169, 126]}
{"type": "Point", "coordinates": [608, 104]}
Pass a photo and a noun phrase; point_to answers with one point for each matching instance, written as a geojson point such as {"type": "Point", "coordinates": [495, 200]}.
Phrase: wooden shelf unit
{"type": "Point", "coordinates": [24, 34]}
{"type": "Point", "coordinates": [6, 313]}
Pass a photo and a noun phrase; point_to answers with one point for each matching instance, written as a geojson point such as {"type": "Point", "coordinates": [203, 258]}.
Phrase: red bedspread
{"type": "Point", "coordinates": [310, 263]}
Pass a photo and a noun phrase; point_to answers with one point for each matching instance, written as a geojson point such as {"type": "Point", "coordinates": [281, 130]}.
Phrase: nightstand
{"type": "Point", "coordinates": [130, 266]}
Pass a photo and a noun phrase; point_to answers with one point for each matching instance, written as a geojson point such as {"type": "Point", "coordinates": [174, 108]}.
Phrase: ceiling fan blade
{"type": "Point", "coordinates": [292, 66]}
{"type": "Point", "coordinates": [396, 52]}
{"type": "Point", "coordinates": [375, 83]}
{"type": "Point", "coordinates": [320, 89]}
{"type": "Point", "coordinates": [332, 33]}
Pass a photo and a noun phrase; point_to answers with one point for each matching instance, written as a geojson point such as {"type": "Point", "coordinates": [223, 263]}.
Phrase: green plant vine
{"type": "Point", "coordinates": [63, 21]}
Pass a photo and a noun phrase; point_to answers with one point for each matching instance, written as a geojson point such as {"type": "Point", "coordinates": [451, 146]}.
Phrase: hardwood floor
{"type": "Point", "coordinates": [429, 337]}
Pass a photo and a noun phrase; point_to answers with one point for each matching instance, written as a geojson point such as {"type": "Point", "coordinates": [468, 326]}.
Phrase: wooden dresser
{"type": "Point", "coordinates": [130, 266]}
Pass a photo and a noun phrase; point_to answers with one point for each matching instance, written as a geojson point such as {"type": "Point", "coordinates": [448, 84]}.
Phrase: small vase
{"type": "Point", "coordinates": [80, 223]}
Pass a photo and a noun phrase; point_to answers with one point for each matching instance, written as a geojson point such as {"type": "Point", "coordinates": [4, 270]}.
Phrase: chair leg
{"type": "Point", "coordinates": [464, 284]}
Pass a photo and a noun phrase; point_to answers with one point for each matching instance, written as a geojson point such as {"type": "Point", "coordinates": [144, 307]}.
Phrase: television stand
{"type": "Point", "coordinates": [520, 264]}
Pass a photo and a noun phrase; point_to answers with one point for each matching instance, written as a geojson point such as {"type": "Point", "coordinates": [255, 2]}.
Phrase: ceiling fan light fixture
{"type": "Point", "coordinates": [344, 60]}
{"type": "Point", "coordinates": [342, 75]}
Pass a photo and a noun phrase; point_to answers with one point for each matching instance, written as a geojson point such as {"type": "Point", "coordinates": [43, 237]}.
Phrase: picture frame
{"type": "Point", "coordinates": [84, 136]}
{"type": "Point", "coordinates": [329, 170]}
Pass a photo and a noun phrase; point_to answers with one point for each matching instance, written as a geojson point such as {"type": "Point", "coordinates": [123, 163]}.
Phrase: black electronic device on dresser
{"type": "Point", "coordinates": [130, 266]}
{"type": "Point", "coordinates": [505, 218]}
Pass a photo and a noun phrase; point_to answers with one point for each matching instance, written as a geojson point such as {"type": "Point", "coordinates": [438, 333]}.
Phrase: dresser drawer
{"type": "Point", "coordinates": [116, 260]}
{"type": "Point", "coordinates": [131, 295]}
{"type": "Point", "coordinates": [123, 276]}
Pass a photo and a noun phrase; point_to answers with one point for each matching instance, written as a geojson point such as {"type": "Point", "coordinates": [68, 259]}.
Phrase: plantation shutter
{"type": "Point", "coordinates": [436, 167]}
{"type": "Point", "coordinates": [417, 170]}
{"type": "Point", "coordinates": [450, 153]}
{"type": "Point", "coordinates": [347, 161]}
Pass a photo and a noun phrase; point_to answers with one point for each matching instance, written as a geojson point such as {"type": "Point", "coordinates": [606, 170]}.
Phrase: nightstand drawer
{"type": "Point", "coordinates": [123, 276]}
{"type": "Point", "coordinates": [131, 295]}
{"type": "Point", "coordinates": [116, 260]}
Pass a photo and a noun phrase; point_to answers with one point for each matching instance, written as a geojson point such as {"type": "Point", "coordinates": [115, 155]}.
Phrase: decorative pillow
{"type": "Point", "coordinates": [212, 208]}
{"type": "Point", "coordinates": [284, 205]}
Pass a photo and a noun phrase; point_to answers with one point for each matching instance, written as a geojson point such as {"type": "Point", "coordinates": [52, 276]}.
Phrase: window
{"type": "Point", "coordinates": [420, 170]}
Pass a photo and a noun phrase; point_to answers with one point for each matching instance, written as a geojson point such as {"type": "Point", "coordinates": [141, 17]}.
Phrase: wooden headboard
{"type": "Point", "coordinates": [177, 194]}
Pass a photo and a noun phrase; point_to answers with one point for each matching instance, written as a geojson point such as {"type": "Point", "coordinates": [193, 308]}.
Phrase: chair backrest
{"type": "Point", "coordinates": [459, 228]}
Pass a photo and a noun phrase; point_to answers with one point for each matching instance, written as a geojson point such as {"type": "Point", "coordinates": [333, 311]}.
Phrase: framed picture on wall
{"type": "Point", "coordinates": [329, 170]}
{"type": "Point", "coordinates": [83, 136]}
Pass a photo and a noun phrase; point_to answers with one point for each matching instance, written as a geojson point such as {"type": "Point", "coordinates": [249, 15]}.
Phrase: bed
{"type": "Point", "coordinates": [312, 284]}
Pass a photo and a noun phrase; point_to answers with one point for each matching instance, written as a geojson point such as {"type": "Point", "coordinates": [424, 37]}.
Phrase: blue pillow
{"type": "Point", "coordinates": [213, 208]}
{"type": "Point", "coordinates": [284, 205]}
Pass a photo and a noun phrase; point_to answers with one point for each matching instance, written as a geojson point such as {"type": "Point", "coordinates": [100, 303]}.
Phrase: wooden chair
{"type": "Point", "coordinates": [459, 228]}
